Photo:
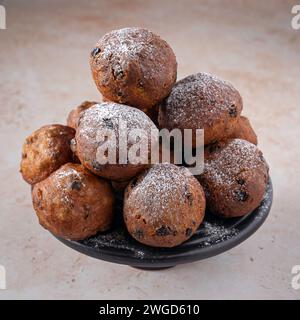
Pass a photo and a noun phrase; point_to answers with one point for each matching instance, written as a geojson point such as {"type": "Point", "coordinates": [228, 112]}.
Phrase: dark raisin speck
{"type": "Point", "coordinates": [95, 52]}
{"type": "Point", "coordinates": [261, 157]}
{"type": "Point", "coordinates": [233, 111]}
{"type": "Point", "coordinates": [213, 147]}
{"type": "Point", "coordinates": [108, 123]}
{"type": "Point", "coordinates": [240, 181]}
{"type": "Point", "coordinates": [76, 185]}
{"type": "Point", "coordinates": [188, 232]}
{"type": "Point", "coordinates": [188, 195]}
{"type": "Point", "coordinates": [133, 182]}
{"type": "Point", "coordinates": [163, 231]}
{"type": "Point", "coordinates": [241, 195]}
{"type": "Point", "coordinates": [86, 215]}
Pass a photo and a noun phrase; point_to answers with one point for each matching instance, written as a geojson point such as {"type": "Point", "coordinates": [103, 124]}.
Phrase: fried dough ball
{"type": "Point", "coordinates": [45, 150]}
{"type": "Point", "coordinates": [73, 203]}
{"type": "Point", "coordinates": [164, 206]}
{"type": "Point", "coordinates": [202, 101]}
{"type": "Point", "coordinates": [235, 177]}
{"type": "Point", "coordinates": [244, 131]}
{"type": "Point", "coordinates": [91, 136]}
{"type": "Point", "coordinates": [133, 66]}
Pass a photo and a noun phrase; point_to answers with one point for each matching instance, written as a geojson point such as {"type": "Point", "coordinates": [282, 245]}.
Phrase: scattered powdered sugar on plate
{"type": "Point", "coordinates": [215, 233]}
{"type": "Point", "coordinates": [109, 116]}
{"type": "Point", "coordinates": [139, 254]}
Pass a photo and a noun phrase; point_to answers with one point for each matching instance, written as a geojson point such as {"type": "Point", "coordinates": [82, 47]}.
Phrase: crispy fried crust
{"type": "Point", "coordinates": [202, 101]}
{"type": "Point", "coordinates": [164, 206]}
{"type": "Point", "coordinates": [133, 66]}
{"type": "Point", "coordinates": [45, 151]}
{"type": "Point", "coordinates": [75, 114]}
{"type": "Point", "coordinates": [73, 203]}
{"type": "Point", "coordinates": [235, 177]}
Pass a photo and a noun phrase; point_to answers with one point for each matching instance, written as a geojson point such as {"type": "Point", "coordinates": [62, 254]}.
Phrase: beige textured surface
{"type": "Point", "coordinates": [44, 73]}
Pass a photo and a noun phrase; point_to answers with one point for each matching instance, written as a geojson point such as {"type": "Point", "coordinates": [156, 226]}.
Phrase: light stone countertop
{"type": "Point", "coordinates": [44, 72]}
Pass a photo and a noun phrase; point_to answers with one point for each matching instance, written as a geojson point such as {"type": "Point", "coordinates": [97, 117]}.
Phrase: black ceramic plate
{"type": "Point", "coordinates": [214, 236]}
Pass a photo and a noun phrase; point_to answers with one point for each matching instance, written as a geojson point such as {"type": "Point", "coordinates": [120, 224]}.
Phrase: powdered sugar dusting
{"type": "Point", "coordinates": [67, 175]}
{"type": "Point", "coordinates": [108, 115]}
{"type": "Point", "coordinates": [70, 172]}
{"type": "Point", "coordinates": [135, 44]}
{"type": "Point", "coordinates": [236, 156]}
{"type": "Point", "coordinates": [216, 233]}
{"type": "Point", "coordinates": [202, 94]}
{"type": "Point", "coordinates": [161, 189]}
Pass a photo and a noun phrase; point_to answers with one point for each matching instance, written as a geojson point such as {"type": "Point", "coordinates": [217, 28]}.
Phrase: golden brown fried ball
{"type": "Point", "coordinates": [91, 134]}
{"type": "Point", "coordinates": [133, 66]}
{"type": "Point", "coordinates": [235, 177]}
{"type": "Point", "coordinates": [164, 206]}
{"type": "Point", "coordinates": [202, 101]}
{"type": "Point", "coordinates": [45, 150]}
{"type": "Point", "coordinates": [72, 203]}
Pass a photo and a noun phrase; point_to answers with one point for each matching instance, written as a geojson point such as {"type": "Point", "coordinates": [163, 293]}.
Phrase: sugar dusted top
{"type": "Point", "coordinates": [110, 115]}
{"type": "Point", "coordinates": [202, 94]}
{"type": "Point", "coordinates": [136, 46]}
{"type": "Point", "coordinates": [162, 187]}
{"type": "Point", "coordinates": [223, 165]}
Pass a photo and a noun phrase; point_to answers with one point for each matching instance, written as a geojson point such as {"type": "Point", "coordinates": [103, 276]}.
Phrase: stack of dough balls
{"type": "Point", "coordinates": [74, 192]}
